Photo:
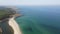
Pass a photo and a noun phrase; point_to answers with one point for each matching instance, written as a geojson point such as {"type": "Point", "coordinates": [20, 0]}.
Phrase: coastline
{"type": "Point", "coordinates": [15, 26]}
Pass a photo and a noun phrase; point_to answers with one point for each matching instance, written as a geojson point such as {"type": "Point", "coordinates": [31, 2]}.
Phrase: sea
{"type": "Point", "coordinates": [39, 19]}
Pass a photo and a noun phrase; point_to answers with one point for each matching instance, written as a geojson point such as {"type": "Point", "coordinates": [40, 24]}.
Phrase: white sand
{"type": "Point", "coordinates": [15, 26]}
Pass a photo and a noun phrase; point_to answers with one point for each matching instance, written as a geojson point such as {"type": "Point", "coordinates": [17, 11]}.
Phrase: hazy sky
{"type": "Point", "coordinates": [29, 2]}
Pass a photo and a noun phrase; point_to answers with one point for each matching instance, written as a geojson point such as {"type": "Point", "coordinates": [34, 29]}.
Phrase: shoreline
{"type": "Point", "coordinates": [15, 26]}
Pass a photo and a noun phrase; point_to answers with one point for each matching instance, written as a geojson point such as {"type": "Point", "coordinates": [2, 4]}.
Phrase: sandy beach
{"type": "Point", "coordinates": [15, 26]}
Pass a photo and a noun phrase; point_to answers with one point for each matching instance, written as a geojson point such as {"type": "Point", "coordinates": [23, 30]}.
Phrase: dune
{"type": "Point", "coordinates": [15, 26]}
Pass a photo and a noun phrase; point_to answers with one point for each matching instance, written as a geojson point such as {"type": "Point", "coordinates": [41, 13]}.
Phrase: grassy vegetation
{"type": "Point", "coordinates": [3, 14]}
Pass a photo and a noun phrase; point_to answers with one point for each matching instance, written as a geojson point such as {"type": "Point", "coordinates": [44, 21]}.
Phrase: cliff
{"type": "Point", "coordinates": [7, 23]}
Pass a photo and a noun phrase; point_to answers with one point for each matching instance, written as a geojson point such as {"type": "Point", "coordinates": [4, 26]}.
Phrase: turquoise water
{"type": "Point", "coordinates": [39, 20]}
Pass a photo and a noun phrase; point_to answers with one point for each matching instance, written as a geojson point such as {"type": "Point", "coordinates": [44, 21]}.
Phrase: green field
{"type": "Point", "coordinates": [3, 13]}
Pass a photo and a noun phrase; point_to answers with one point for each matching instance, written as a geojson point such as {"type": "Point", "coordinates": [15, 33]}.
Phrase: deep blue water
{"type": "Point", "coordinates": [39, 19]}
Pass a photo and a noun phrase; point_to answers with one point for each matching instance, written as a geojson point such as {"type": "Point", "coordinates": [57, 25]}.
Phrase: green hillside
{"type": "Point", "coordinates": [4, 13]}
